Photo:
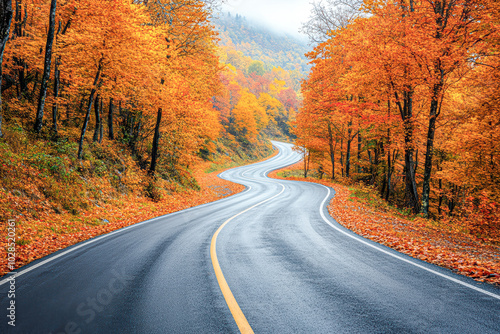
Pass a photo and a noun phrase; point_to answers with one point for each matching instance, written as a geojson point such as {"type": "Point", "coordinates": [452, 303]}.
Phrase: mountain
{"type": "Point", "coordinates": [261, 44]}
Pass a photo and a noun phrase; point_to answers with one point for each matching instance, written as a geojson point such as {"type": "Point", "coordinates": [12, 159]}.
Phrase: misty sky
{"type": "Point", "coordinates": [280, 15]}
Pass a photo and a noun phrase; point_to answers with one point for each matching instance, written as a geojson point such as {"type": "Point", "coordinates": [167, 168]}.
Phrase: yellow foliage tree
{"type": "Point", "coordinates": [248, 117]}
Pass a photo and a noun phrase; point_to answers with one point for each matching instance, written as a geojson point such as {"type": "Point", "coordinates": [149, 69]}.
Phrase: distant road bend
{"type": "Point", "coordinates": [267, 260]}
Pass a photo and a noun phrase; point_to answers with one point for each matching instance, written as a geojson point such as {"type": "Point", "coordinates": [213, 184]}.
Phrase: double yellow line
{"type": "Point", "coordinates": [239, 317]}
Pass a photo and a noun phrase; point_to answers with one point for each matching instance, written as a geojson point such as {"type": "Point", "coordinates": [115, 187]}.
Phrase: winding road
{"type": "Point", "coordinates": [269, 259]}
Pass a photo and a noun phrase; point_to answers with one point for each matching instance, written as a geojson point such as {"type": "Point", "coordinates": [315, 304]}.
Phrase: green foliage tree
{"type": "Point", "coordinates": [256, 67]}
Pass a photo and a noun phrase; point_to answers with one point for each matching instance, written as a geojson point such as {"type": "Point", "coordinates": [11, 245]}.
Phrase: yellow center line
{"type": "Point", "coordinates": [235, 309]}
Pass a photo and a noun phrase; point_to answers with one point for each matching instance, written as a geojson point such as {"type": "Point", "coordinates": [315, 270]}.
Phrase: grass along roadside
{"type": "Point", "coordinates": [359, 209]}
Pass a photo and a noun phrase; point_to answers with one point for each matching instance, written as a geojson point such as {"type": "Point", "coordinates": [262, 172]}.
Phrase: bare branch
{"type": "Point", "coordinates": [330, 15]}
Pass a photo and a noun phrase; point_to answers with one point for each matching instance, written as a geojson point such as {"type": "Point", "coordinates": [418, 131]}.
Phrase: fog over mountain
{"type": "Point", "coordinates": [260, 43]}
{"type": "Point", "coordinates": [280, 16]}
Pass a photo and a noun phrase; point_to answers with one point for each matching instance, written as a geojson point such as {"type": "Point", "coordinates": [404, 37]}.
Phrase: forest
{"type": "Point", "coordinates": [257, 42]}
{"type": "Point", "coordinates": [124, 104]}
{"type": "Point", "coordinates": [403, 97]}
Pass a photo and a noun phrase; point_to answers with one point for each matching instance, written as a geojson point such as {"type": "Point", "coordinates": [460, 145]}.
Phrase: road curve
{"type": "Point", "coordinates": [288, 265]}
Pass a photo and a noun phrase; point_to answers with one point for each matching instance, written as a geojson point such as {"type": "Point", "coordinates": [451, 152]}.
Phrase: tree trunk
{"type": "Point", "coordinates": [56, 95]}
{"type": "Point", "coordinates": [348, 159]}
{"type": "Point", "coordinates": [332, 149]}
{"type": "Point", "coordinates": [57, 84]}
{"type": "Point", "coordinates": [89, 108]}
{"type": "Point", "coordinates": [305, 162]}
{"type": "Point", "coordinates": [411, 184]}
{"type": "Point", "coordinates": [307, 156]}
{"type": "Point", "coordinates": [440, 199]}
{"type": "Point", "coordinates": [359, 152]}
{"type": "Point", "coordinates": [19, 21]}
{"type": "Point", "coordinates": [389, 167]}
{"type": "Point", "coordinates": [19, 24]}
{"type": "Point", "coordinates": [101, 125]}
{"type": "Point", "coordinates": [348, 153]}
{"type": "Point", "coordinates": [46, 69]}
{"type": "Point", "coordinates": [19, 31]}
{"type": "Point", "coordinates": [6, 19]}
{"type": "Point", "coordinates": [95, 139]}
{"type": "Point", "coordinates": [23, 79]}
{"type": "Point", "coordinates": [110, 120]}
{"type": "Point", "coordinates": [342, 156]}
{"type": "Point", "coordinates": [430, 147]}
{"type": "Point", "coordinates": [373, 163]}
{"type": "Point", "coordinates": [156, 141]}
{"type": "Point", "coordinates": [309, 161]}
{"type": "Point", "coordinates": [388, 177]}
{"type": "Point", "coordinates": [406, 110]}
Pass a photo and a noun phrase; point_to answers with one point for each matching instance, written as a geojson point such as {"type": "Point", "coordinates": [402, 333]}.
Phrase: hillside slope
{"type": "Point", "coordinates": [258, 43]}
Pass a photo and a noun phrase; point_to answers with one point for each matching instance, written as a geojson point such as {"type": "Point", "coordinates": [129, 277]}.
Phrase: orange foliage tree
{"type": "Point", "coordinates": [417, 71]}
{"type": "Point", "coordinates": [147, 58]}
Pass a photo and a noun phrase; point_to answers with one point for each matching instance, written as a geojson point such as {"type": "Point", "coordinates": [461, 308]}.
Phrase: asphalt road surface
{"type": "Point", "coordinates": [285, 267]}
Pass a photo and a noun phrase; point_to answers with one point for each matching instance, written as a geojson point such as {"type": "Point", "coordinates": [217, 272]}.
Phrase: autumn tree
{"type": "Point", "coordinates": [47, 65]}
{"type": "Point", "coordinates": [449, 36]}
{"type": "Point", "coordinates": [412, 59]}
{"type": "Point", "coordinates": [98, 71]}
{"type": "Point", "coordinates": [248, 118]}
{"type": "Point", "coordinates": [190, 36]}
{"type": "Point", "coordinates": [5, 22]}
{"type": "Point", "coordinates": [150, 68]}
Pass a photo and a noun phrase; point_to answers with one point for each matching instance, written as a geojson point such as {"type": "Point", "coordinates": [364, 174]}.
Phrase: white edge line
{"type": "Point", "coordinates": [358, 238]}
